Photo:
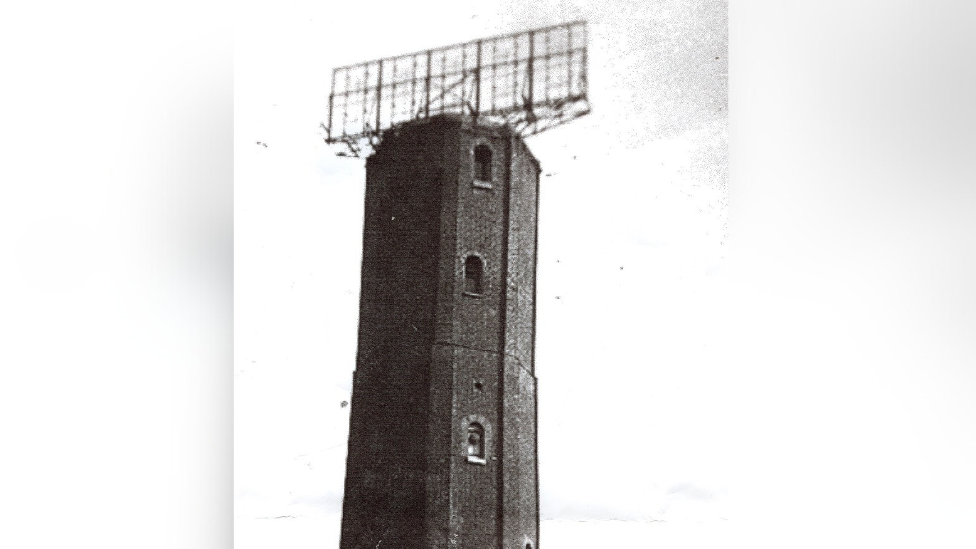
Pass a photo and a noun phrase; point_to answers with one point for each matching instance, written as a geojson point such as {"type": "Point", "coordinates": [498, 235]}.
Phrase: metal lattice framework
{"type": "Point", "coordinates": [530, 81]}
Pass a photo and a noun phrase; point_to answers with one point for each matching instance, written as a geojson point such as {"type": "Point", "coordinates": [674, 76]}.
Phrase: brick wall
{"type": "Point", "coordinates": [432, 359]}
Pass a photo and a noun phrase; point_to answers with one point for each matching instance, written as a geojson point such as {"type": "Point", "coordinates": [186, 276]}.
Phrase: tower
{"type": "Point", "coordinates": [442, 435]}
{"type": "Point", "coordinates": [443, 427]}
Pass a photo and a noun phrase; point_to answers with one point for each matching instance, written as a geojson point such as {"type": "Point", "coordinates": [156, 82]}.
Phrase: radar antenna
{"type": "Point", "coordinates": [530, 81]}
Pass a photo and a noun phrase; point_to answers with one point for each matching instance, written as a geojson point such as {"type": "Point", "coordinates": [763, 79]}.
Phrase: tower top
{"type": "Point", "coordinates": [530, 81]}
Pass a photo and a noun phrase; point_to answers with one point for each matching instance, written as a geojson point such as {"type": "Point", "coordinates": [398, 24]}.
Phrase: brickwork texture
{"type": "Point", "coordinates": [434, 357]}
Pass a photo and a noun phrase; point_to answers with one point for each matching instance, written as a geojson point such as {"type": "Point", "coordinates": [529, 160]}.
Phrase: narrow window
{"type": "Point", "coordinates": [473, 268]}
{"type": "Point", "coordinates": [476, 443]}
{"type": "Point", "coordinates": [482, 164]}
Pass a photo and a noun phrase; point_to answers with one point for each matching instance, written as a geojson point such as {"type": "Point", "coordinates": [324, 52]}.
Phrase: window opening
{"type": "Point", "coordinates": [482, 163]}
{"type": "Point", "coordinates": [473, 270]}
{"type": "Point", "coordinates": [476, 443]}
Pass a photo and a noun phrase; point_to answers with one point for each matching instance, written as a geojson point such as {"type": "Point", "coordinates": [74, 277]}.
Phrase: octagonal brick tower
{"type": "Point", "coordinates": [442, 442]}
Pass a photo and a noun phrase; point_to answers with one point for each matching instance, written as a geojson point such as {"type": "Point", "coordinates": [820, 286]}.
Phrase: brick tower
{"type": "Point", "coordinates": [442, 442]}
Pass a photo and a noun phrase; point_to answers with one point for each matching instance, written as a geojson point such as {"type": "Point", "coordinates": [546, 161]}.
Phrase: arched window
{"type": "Point", "coordinates": [476, 443]}
{"type": "Point", "coordinates": [473, 269]}
{"type": "Point", "coordinates": [482, 163]}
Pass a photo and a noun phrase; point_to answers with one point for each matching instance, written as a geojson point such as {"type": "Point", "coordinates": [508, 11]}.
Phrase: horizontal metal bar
{"type": "Point", "coordinates": [469, 71]}
{"type": "Point", "coordinates": [499, 113]}
{"type": "Point", "coordinates": [550, 102]}
{"type": "Point", "coordinates": [516, 61]}
{"type": "Point", "coordinates": [461, 45]}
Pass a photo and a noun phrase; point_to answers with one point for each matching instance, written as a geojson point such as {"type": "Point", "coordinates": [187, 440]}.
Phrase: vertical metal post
{"type": "Point", "coordinates": [365, 93]}
{"type": "Point", "coordinates": [427, 102]}
{"type": "Point", "coordinates": [477, 85]}
{"type": "Point", "coordinates": [393, 96]}
{"type": "Point", "coordinates": [379, 94]}
{"type": "Point", "coordinates": [531, 68]}
{"type": "Point", "coordinates": [413, 88]}
{"type": "Point", "coordinates": [548, 61]}
{"type": "Point", "coordinates": [328, 130]}
{"type": "Point", "coordinates": [494, 73]}
{"type": "Point", "coordinates": [569, 61]}
{"type": "Point", "coordinates": [583, 68]}
{"type": "Point", "coordinates": [345, 103]}
{"type": "Point", "coordinates": [515, 97]}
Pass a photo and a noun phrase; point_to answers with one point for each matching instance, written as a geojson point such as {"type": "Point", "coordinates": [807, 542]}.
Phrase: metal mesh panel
{"type": "Point", "coordinates": [531, 81]}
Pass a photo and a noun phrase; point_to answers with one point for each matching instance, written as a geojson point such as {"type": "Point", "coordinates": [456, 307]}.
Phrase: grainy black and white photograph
{"type": "Point", "coordinates": [485, 296]}
{"type": "Point", "coordinates": [479, 252]}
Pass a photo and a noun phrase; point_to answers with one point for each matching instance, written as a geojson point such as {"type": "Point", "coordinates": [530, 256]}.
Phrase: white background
{"type": "Point", "coordinates": [834, 403]}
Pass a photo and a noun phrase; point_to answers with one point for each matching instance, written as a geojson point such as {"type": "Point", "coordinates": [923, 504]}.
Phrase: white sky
{"type": "Point", "coordinates": [631, 261]}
